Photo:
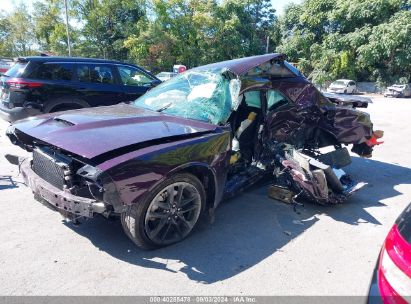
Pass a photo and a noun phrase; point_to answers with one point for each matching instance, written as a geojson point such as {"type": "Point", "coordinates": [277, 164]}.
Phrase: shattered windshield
{"type": "Point", "coordinates": [201, 95]}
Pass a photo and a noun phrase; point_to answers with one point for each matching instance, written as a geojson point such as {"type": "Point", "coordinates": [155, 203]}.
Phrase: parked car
{"type": "Point", "coordinates": [391, 282]}
{"type": "Point", "coordinates": [344, 86]}
{"type": "Point", "coordinates": [179, 68]}
{"type": "Point", "coordinates": [398, 90]}
{"type": "Point", "coordinates": [207, 134]}
{"type": "Point", "coordinates": [163, 76]}
{"type": "Point", "coordinates": [5, 64]}
{"type": "Point", "coordinates": [43, 84]}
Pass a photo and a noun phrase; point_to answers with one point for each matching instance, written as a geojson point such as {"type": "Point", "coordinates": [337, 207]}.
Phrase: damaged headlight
{"type": "Point", "coordinates": [101, 186]}
{"type": "Point", "coordinates": [89, 173]}
{"type": "Point", "coordinates": [92, 177]}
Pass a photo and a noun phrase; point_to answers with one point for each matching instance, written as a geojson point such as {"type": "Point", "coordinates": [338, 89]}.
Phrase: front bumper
{"type": "Point", "coordinates": [17, 113]}
{"type": "Point", "coordinates": [392, 94]}
{"type": "Point", "coordinates": [64, 201]}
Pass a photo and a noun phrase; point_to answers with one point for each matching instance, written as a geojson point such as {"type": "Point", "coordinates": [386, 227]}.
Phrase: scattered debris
{"type": "Point", "coordinates": [281, 193]}
{"type": "Point", "coordinates": [287, 232]}
{"type": "Point", "coordinates": [310, 174]}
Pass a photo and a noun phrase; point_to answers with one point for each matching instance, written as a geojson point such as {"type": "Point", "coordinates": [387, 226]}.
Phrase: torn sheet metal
{"type": "Point", "coordinates": [353, 101]}
{"type": "Point", "coordinates": [306, 177]}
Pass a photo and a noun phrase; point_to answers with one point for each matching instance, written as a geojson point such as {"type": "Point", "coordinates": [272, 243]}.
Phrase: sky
{"type": "Point", "coordinates": [8, 5]}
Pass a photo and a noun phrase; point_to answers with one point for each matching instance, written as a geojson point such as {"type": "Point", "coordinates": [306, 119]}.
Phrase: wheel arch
{"type": "Point", "coordinates": [207, 177]}
{"type": "Point", "coordinates": [202, 171]}
{"type": "Point", "coordinates": [60, 102]}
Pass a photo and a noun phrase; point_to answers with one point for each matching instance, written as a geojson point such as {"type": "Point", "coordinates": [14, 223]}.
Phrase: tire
{"type": "Point", "coordinates": [158, 221]}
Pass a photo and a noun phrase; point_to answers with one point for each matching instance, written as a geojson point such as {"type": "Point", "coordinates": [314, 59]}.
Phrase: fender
{"type": "Point", "coordinates": [206, 157]}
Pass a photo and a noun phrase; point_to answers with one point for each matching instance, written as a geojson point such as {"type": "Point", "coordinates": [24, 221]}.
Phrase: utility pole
{"type": "Point", "coordinates": [266, 46]}
{"type": "Point", "coordinates": [67, 29]}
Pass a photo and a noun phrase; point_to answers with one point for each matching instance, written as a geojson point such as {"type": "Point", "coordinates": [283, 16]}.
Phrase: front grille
{"type": "Point", "coordinates": [51, 166]}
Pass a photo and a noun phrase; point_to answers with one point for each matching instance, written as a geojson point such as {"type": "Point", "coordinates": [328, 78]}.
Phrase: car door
{"type": "Point", "coordinates": [96, 84]}
{"type": "Point", "coordinates": [135, 82]}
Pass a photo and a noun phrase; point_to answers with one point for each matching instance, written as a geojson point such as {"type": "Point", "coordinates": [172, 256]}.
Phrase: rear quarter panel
{"type": "Point", "coordinates": [310, 111]}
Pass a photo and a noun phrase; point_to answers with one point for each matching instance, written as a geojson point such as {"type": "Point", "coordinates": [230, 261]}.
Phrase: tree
{"type": "Point", "coordinates": [6, 47]}
{"type": "Point", "coordinates": [20, 31]}
{"type": "Point", "coordinates": [359, 39]}
{"type": "Point", "coordinates": [50, 27]}
{"type": "Point", "coordinates": [196, 32]}
{"type": "Point", "coordinates": [107, 24]}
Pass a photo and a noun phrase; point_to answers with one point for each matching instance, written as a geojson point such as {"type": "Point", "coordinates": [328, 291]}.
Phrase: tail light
{"type": "Point", "coordinates": [19, 83]}
{"type": "Point", "coordinates": [394, 271]}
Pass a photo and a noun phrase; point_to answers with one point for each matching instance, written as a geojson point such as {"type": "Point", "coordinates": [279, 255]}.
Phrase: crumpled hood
{"type": "Point", "coordinates": [93, 131]}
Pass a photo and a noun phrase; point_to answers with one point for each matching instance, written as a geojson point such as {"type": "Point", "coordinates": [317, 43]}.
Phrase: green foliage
{"type": "Point", "coordinates": [107, 24]}
{"type": "Point", "coordinates": [195, 32]}
{"type": "Point", "coordinates": [16, 33]}
{"type": "Point", "coordinates": [6, 47]}
{"type": "Point", "coordinates": [327, 39]}
{"type": "Point", "coordinates": [50, 28]}
{"type": "Point", "coordinates": [357, 39]}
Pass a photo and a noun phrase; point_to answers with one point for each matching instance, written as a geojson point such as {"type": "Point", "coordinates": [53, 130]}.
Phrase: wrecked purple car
{"type": "Point", "coordinates": [204, 135]}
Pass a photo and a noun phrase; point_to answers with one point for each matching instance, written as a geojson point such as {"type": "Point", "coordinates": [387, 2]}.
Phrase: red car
{"type": "Point", "coordinates": [391, 282]}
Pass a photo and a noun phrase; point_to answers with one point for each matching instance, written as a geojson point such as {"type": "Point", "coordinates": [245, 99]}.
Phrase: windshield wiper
{"type": "Point", "coordinates": [165, 107]}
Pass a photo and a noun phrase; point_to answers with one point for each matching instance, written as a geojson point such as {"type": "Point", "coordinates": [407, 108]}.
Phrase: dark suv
{"type": "Point", "coordinates": [37, 85]}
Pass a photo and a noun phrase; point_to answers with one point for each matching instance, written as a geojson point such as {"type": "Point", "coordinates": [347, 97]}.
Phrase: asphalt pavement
{"type": "Point", "coordinates": [256, 246]}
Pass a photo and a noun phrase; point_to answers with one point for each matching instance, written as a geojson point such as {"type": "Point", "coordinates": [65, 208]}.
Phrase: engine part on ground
{"type": "Point", "coordinates": [306, 175]}
{"type": "Point", "coordinates": [280, 193]}
{"type": "Point", "coordinates": [320, 177]}
{"type": "Point", "coordinates": [332, 179]}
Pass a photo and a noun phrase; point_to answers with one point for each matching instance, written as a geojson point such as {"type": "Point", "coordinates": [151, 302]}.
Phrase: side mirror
{"type": "Point", "coordinates": [155, 83]}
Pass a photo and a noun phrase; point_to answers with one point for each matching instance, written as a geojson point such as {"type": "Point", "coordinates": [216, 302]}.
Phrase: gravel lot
{"type": "Point", "coordinates": [256, 246]}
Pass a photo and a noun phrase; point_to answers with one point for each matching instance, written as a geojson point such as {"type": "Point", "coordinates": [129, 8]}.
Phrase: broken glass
{"type": "Point", "coordinates": [199, 95]}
